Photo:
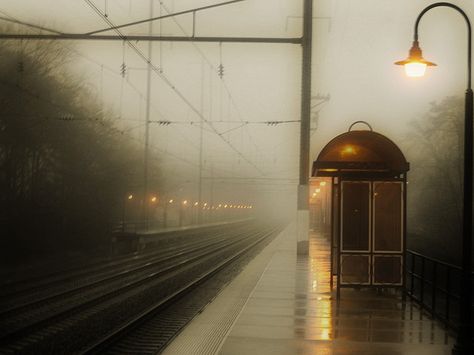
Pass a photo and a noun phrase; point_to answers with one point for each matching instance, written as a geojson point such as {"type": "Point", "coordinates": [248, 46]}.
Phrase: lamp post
{"type": "Point", "coordinates": [415, 65]}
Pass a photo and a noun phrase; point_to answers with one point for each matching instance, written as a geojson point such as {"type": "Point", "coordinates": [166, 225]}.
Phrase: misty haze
{"type": "Point", "coordinates": [235, 177]}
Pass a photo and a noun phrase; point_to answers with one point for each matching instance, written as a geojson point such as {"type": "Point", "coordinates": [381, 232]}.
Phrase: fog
{"type": "Point", "coordinates": [246, 161]}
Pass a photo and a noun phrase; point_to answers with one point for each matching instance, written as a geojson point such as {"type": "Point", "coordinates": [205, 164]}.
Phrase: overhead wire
{"type": "Point", "coordinates": [216, 70]}
{"type": "Point", "coordinates": [9, 18]}
{"type": "Point", "coordinates": [97, 120]}
{"type": "Point", "coordinates": [268, 123]}
{"type": "Point", "coordinates": [168, 82]}
{"type": "Point", "coordinates": [154, 68]}
{"type": "Point", "coordinates": [162, 17]}
{"type": "Point", "coordinates": [78, 53]}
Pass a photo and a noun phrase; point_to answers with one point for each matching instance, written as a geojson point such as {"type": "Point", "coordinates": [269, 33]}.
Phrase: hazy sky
{"type": "Point", "coordinates": [355, 45]}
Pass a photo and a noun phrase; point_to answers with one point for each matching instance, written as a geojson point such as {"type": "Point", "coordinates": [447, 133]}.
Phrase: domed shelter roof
{"type": "Point", "coordinates": [360, 152]}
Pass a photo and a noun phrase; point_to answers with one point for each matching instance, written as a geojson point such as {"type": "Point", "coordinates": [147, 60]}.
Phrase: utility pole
{"type": "Point", "coordinates": [302, 217]}
{"type": "Point", "coordinates": [201, 128]}
{"type": "Point", "coordinates": [211, 192]}
{"type": "Point", "coordinates": [147, 121]}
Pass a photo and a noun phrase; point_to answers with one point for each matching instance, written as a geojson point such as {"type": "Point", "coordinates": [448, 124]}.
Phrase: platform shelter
{"type": "Point", "coordinates": [368, 234]}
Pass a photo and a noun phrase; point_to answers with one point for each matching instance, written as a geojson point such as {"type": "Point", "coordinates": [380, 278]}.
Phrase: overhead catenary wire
{"type": "Point", "coordinates": [268, 123]}
{"type": "Point", "coordinates": [163, 17]}
{"type": "Point", "coordinates": [66, 117]}
{"type": "Point", "coordinates": [206, 121]}
{"type": "Point", "coordinates": [168, 82]}
{"type": "Point", "coordinates": [216, 70]}
{"type": "Point", "coordinates": [102, 67]}
{"type": "Point", "coordinates": [97, 120]}
{"type": "Point", "coordinates": [11, 19]}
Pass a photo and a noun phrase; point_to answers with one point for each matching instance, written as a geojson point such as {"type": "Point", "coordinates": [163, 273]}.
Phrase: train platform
{"type": "Point", "coordinates": [281, 303]}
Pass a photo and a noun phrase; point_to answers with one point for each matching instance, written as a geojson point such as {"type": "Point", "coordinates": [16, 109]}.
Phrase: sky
{"type": "Point", "coordinates": [354, 46]}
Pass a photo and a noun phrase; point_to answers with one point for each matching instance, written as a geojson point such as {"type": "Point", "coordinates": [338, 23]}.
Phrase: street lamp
{"type": "Point", "coordinates": [415, 65]}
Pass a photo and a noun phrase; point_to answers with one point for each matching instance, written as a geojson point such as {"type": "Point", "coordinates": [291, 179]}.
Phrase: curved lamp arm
{"type": "Point", "coordinates": [457, 8]}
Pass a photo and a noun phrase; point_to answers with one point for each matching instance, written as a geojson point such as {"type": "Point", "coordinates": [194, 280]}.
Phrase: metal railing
{"type": "Point", "coordinates": [435, 285]}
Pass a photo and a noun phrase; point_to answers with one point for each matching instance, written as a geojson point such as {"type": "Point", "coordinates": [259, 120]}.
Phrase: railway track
{"type": "Point", "coordinates": [30, 293]}
{"type": "Point", "coordinates": [60, 274]}
{"type": "Point", "coordinates": [105, 309]}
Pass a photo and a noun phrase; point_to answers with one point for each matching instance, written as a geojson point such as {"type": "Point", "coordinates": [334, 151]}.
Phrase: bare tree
{"type": "Point", "coordinates": [64, 166]}
{"type": "Point", "coordinates": [435, 182]}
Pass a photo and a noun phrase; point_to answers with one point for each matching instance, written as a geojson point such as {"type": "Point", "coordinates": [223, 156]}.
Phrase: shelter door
{"type": "Point", "coordinates": [371, 234]}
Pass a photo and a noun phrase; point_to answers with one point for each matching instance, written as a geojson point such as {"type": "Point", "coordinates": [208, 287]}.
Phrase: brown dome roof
{"type": "Point", "coordinates": [362, 153]}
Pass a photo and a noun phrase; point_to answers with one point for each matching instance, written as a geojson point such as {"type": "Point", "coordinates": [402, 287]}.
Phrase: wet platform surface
{"type": "Point", "coordinates": [282, 304]}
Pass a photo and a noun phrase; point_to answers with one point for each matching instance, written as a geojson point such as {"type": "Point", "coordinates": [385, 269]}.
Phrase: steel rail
{"type": "Point", "coordinates": [102, 344]}
{"type": "Point", "coordinates": [170, 254]}
{"type": "Point", "coordinates": [84, 270]}
{"type": "Point", "coordinates": [164, 273]}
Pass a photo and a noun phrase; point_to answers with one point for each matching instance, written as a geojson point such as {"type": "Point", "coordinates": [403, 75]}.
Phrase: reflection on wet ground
{"type": "Point", "coordinates": [292, 311]}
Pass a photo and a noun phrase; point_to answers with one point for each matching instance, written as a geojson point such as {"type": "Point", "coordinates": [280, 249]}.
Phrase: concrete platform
{"type": "Point", "coordinates": [282, 304]}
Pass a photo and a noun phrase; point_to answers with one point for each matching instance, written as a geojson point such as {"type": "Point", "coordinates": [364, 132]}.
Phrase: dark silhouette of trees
{"type": "Point", "coordinates": [64, 167]}
{"type": "Point", "coordinates": [435, 180]}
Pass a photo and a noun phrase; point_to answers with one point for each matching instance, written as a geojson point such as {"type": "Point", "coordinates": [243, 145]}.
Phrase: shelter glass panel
{"type": "Point", "coordinates": [355, 269]}
{"type": "Point", "coordinates": [387, 270]}
{"type": "Point", "coordinates": [388, 229]}
{"type": "Point", "coordinates": [355, 217]}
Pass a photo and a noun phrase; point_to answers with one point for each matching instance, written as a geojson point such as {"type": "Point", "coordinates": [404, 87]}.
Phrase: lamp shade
{"type": "Point", "coordinates": [415, 65]}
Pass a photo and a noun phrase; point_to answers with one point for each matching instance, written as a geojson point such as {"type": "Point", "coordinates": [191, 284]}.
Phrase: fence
{"type": "Point", "coordinates": [435, 285]}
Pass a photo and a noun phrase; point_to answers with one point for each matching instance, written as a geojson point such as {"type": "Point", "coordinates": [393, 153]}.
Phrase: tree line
{"type": "Point", "coordinates": [435, 186]}
{"type": "Point", "coordinates": [64, 167]}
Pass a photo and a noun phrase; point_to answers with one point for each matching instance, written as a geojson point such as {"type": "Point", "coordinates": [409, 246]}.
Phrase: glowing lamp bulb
{"type": "Point", "coordinates": [415, 65]}
{"type": "Point", "coordinates": [415, 69]}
